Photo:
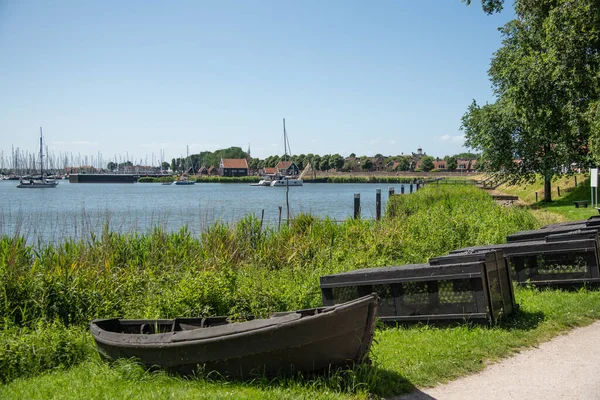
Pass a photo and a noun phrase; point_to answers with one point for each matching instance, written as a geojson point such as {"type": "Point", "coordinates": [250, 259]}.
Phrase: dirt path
{"type": "Point", "coordinates": [567, 367]}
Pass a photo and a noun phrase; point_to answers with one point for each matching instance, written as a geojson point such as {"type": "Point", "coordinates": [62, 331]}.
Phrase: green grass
{"type": "Point", "coordinates": [561, 205]}
{"type": "Point", "coordinates": [402, 359]}
{"type": "Point", "coordinates": [49, 293]}
{"type": "Point", "coordinates": [96, 380]}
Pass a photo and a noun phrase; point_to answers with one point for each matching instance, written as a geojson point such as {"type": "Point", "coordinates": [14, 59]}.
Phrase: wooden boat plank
{"type": "Point", "coordinates": [231, 329]}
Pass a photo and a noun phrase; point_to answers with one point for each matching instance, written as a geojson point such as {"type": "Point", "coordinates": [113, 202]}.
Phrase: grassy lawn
{"type": "Point", "coordinates": [427, 223]}
{"type": "Point", "coordinates": [402, 358]}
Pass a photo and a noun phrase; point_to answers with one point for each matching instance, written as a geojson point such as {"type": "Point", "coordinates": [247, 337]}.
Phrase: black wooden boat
{"type": "Point", "coordinates": [298, 341]}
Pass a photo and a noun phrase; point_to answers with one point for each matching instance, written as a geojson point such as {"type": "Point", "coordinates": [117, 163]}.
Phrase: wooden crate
{"type": "Point", "coordinates": [478, 290]}
{"type": "Point", "coordinates": [590, 225]}
{"type": "Point", "coordinates": [564, 259]}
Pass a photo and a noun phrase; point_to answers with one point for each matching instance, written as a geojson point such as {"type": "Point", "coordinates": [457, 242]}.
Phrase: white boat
{"type": "Point", "coordinates": [287, 181]}
{"type": "Point", "coordinates": [41, 182]}
{"type": "Point", "coordinates": [280, 179]}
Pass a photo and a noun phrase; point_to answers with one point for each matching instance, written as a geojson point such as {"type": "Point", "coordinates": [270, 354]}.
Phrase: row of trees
{"type": "Point", "coordinates": [546, 78]}
{"type": "Point", "coordinates": [317, 162]}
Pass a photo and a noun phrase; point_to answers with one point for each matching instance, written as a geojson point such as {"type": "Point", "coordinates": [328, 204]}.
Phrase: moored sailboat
{"type": "Point", "coordinates": [41, 182]}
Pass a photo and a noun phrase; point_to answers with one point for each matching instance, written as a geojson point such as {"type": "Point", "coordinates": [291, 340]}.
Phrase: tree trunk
{"type": "Point", "coordinates": [547, 189]}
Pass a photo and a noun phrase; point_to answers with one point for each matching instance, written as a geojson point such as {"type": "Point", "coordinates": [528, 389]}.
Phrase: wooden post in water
{"type": "Point", "coordinates": [391, 191]}
{"type": "Point", "coordinates": [411, 188]}
{"type": "Point", "coordinates": [356, 205]}
{"type": "Point", "coordinates": [378, 204]}
{"type": "Point", "coordinates": [402, 189]}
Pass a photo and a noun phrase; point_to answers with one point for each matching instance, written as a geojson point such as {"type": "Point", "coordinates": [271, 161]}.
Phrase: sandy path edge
{"type": "Point", "coordinates": [566, 367]}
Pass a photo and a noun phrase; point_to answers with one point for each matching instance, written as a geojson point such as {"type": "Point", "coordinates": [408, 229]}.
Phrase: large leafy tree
{"type": "Point", "coordinates": [427, 163]}
{"type": "Point", "coordinates": [545, 77]}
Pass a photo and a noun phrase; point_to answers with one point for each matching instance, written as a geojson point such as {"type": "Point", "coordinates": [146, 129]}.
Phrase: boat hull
{"type": "Point", "coordinates": [293, 342]}
{"type": "Point", "coordinates": [37, 185]}
{"type": "Point", "coordinates": [287, 182]}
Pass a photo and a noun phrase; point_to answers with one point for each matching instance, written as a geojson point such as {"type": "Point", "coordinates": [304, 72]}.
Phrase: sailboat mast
{"type": "Point", "coordinates": [285, 149]}
{"type": "Point", "coordinates": [41, 156]}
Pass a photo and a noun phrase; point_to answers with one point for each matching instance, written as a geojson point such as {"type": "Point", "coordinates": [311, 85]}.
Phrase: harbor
{"type": "Point", "coordinates": [78, 209]}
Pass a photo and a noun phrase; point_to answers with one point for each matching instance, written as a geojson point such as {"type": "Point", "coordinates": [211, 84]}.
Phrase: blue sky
{"type": "Point", "coordinates": [139, 78]}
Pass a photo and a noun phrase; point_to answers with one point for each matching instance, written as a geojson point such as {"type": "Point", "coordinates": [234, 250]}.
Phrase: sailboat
{"type": "Point", "coordinates": [285, 180]}
{"type": "Point", "coordinates": [183, 179]}
{"type": "Point", "coordinates": [35, 183]}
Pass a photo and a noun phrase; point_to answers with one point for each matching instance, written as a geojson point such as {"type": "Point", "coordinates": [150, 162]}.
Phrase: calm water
{"type": "Point", "coordinates": [73, 210]}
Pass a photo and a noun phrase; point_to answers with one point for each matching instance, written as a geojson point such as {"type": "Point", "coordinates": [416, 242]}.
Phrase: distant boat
{"type": "Point", "coordinates": [41, 182]}
{"type": "Point", "coordinates": [279, 179]}
{"type": "Point", "coordinates": [287, 181]}
{"type": "Point", "coordinates": [309, 341]}
{"type": "Point", "coordinates": [184, 182]}
{"type": "Point", "coordinates": [183, 179]}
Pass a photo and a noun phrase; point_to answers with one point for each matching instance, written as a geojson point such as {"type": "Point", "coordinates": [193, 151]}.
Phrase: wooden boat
{"type": "Point", "coordinates": [286, 343]}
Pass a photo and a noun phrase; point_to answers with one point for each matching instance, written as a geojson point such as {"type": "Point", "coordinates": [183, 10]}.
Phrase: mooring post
{"type": "Point", "coordinates": [411, 188]}
{"type": "Point", "coordinates": [378, 204]}
{"type": "Point", "coordinates": [391, 191]}
{"type": "Point", "coordinates": [558, 187]}
{"type": "Point", "coordinates": [575, 176]}
{"type": "Point", "coordinates": [402, 189]}
{"type": "Point", "coordinates": [356, 205]}
{"type": "Point", "coordinates": [536, 197]}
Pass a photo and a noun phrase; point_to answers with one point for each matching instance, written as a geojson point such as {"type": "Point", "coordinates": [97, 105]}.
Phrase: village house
{"type": "Point", "coordinates": [269, 171]}
{"type": "Point", "coordinates": [378, 163]}
{"type": "Point", "coordinates": [233, 167]}
{"type": "Point", "coordinates": [213, 171]}
{"type": "Point", "coordinates": [287, 168]}
{"type": "Point", "coordinates": [440, 165]}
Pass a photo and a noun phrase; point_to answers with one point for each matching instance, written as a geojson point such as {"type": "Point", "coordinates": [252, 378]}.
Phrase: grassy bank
{"type": "Point", "coordinates": [564, 193]}
{"type": "Point", "coordinates": [243, 270]}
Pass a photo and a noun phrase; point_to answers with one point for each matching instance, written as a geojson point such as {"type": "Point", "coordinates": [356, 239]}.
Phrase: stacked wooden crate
{"type": "Point", "coordinates": [556, 255]}
{"type": "Point", "coordinates": [477, 290]}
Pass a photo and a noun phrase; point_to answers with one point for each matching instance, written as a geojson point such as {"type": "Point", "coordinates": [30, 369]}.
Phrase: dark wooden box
{"type": "Point", "coordinates": [478, 290]}
{"type": "Point", "coordinates": [590, 225]}
{"type": "Point", "coordinates": [570, 258]}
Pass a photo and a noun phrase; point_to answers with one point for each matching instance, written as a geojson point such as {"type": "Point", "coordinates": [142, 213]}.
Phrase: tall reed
{"type": "Point", "coordinates": [234, 269]}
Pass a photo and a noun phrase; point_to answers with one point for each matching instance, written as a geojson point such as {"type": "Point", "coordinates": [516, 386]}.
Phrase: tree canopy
{"type": "Point", "coordinates": [545, 77]}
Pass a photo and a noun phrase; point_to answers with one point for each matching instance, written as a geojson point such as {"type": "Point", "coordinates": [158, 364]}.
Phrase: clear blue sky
{"type": "Point", "coordinates": [138, 77]}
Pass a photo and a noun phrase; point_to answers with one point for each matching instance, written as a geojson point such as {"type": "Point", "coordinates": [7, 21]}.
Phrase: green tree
{"type": "Point", "coordinates": [451, 163]}
{"type": "Point", "coordinates": [324, 164]}
{"type": "Point", "coordinates": [403, 164]}
{"type": "Point", "coordinates": [545, 77]}
{"type": "Point", "coordinates": [427, 163]}
{"type": "Point", "coordinates": [336, 161]}
{"type": "Point", "coordinates": [112, 166]}
{"type": "Point", "coordinates": [316, 162]}
{"type": "Point", "coordinates": [366, 163]}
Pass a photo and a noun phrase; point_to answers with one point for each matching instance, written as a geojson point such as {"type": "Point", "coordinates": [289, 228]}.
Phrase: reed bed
{"type": "Point", "coordinates": [234, 270]}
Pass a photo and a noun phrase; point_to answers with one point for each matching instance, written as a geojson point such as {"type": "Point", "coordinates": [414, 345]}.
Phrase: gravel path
{"type": "Point", "coordinates": [567, 367]}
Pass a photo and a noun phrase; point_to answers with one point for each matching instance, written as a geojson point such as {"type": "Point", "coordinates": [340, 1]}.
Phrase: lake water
{"type": "Point", "coordinates": [73, 210]}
